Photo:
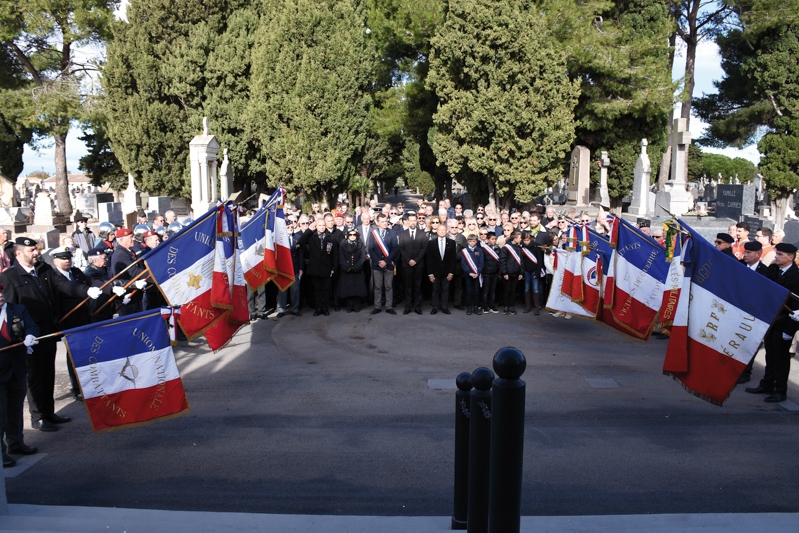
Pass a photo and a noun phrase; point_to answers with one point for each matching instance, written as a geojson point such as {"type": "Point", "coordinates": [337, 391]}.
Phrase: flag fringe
{"type": "Point", "coordinates": [697, 394]}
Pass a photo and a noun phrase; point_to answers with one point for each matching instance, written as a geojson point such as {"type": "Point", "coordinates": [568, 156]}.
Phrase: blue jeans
{"type": "Point", "coordinates": [532, 281]}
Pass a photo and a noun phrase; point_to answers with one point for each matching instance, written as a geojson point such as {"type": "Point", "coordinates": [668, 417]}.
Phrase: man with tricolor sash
{"type": "Point", "coordinates": [383, 252]}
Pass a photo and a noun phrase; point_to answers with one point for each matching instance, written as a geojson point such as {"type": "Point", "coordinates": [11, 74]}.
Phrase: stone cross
{"type": "Point", "coordinates": [674, 197]}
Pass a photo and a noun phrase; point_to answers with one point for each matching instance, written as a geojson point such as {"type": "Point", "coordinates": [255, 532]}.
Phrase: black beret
{"type": "Point", "coordinates": [786, 248]}
{"type": "Point", "coordinates": [25, 241]}
{"type": "Point", "coordinates": [753, 246]}
{"type": "Point", "coordinates": [726, 237]}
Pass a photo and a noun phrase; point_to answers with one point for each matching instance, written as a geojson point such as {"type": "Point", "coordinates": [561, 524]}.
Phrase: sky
{"type": "Point", "coordinates": [707, 70]}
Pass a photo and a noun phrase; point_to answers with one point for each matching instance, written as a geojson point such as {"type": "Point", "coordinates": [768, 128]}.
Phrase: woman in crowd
{"type": "Point", "coordinates": [351, 284]}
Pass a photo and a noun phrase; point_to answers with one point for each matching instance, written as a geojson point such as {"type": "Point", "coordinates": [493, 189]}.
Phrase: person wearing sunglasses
{"type": "Point", "coordinates": [724, 243]}
{"type": "Point", "coordinates": [491, 224]}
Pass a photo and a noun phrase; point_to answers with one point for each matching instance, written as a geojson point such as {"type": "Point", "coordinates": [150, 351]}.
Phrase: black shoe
{"type": "Point", "coordinates": [505, 311]}
{"type": "Point", "coordinates": [8, 462]}
{"type": "Point", "coordinates": [512, 310]}
{"type": "Point", "coordinates": [745, 377]}
{"type": "Point", "coordinates": [477, 311]}
{"type": "Point", "coordinates": [350, 309]}
{"type": "Point", "coordinates": [317, 312]}
{"type": "Point", "coordinates": [760, 389]}
{"type": "Point", "coordinates": [662, 336]}
{"type": "Point", "coordinates": [326, 312]}
{"type": "Point", "coordinates": [469, 310]}
{"type": "Point", "coordinates": [418, 311]}
{"type": "Point", "coordinates": [281, 314]}
{"type": "Point", "coordinates": [336, 308]}
{"type": "Point", "coordinates": [22, 449]}
{"type": "Point", "coordinates": [263, 316]}
{"type": "Point", "coordinates": [376, 311]}
{"type": "Point", "coordinates": [445, 311]}
{"type": "Point", "coordinates": [296, 313]}
{"type": "Point", "coordinates": [493, 310]}
{"type": "Point", "coordinates": [391, 311]}
{"type": "Point", "coordinates": [460, 307]}
{"type": "Point", "coordinates": [56, 419]}
{"type": "Point", "coordinates": [776, 398]}
{"type": "Point", "coordinates": [407, 311]}
{"type": "Point", "coordinates": [44, 425]}
{"type": "Point", "coordinates": [357, 308]}
{"type": "Point", "coordinates": [253, 318]}
{"type": "Point", "coordinates": [434, 310]}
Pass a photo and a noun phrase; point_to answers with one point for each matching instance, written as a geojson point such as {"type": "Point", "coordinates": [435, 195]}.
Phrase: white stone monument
{"type": "Point", "coordinates": [674, 197]}
{"type": "Point", "coordinates": [580, 176]}
{"type": "Point", "coordinates": [225, 177]}
{"type": "Point", "coordinates": [130, 202]}
{"type": "Point", "coordinates": [604, 196]}
{"type": "Point", "coordinates": [203, 149]}
{"type": "Point", "coordinates": [43, 214]}
{"type": "Point", "coordinates": [643, 170]}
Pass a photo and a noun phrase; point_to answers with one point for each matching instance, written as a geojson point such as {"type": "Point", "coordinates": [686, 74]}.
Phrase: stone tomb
{"type": "Point", "coordinates": [579, 182]}
{"type": "Point", "coordinates": [734, 201]}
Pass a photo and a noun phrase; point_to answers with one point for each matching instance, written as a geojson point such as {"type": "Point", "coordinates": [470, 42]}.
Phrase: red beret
{"type": "Point", "coordinates": [122, 232]}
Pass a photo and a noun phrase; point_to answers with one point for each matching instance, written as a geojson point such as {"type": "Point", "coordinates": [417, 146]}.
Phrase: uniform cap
{"type": "Point", "coordinates": [25, 241]}
{"type": "Point", "coordinates": [753, 246]}
{"type": "Point", "coordinates": [122, 232]}
{"type": "Point", "coordinates": [726, 237]}
{"type": "Point", "coordinates": [149, 233]}
{"type": "Point", "coordinates": [785, 247]}
{"type": "Point", "coordinates": [95, 252]}
{"type": "Point", "coordinates": [62, 252]}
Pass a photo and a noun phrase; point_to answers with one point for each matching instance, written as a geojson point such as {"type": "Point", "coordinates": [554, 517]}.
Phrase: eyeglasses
{"type": "Point", "coordinates": [434, 222]}
{"type": "Point", "coordinates": [514, 217]}
{"type": "Point", "coordinates": [719, 242]}
{"type": "Point", "coordinates": [483, 234]}
{"type": "Point", "coordinates": [392, 213]}
{"type": "Point", "coordinates": [479, 218]}
{"type": "Point", "coordinates": [492, 219]}
{"type": "Point", "coordinates": [472, 224]}
{"type": "Point", "coordinates": [304, 223]}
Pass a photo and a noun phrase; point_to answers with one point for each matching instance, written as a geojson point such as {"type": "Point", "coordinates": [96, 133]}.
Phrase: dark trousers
{"type": "Point", "coordinates": [440, 293]}
{"type": "Point", "coordinates": [41, 380]}
{"type": "Point", "coordinates": [413, 286]}
{"type": "Point", "coordinates": [472, 290]}
{"type": "Point", "coordinates": [321, 291]}
{"type": "Point", "coordinates": [510, 290]}
{"type": "Point", "coordinates": [457, 289]}
{"type": "Point", "coordinates": [12, 398]}
{"type": "Point", "coordinates": [488, 291]}
{"type": "Point", "coordinates": [778, 360]}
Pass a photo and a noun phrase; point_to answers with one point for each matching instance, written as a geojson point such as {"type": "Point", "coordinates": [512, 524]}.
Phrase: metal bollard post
{"type": "Point", "coordinates": [464, 383]}
{"type": "Point", "coordinates": [479, 449]}
{"type": "Point", "coordinates": [507, 442]}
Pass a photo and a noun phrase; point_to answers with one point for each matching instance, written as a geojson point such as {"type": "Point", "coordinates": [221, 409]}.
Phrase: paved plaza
{"type": "Point", "coordinates": [352, 414]}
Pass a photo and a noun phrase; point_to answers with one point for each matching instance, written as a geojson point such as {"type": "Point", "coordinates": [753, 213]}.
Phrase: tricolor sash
{"type": "Point", "coordinates": [472, 265]}
{"type": "Point", "coordinates": [514, 254]}
{"type": "Point", "coordinates": [530, 255]}
{"type": "Point", "coordinates": [490, 251]}
{"type": "Point", "coordinates": [380, 242]}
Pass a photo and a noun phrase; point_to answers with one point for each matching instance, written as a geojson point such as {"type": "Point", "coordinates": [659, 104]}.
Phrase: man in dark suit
{"type": "Point", "coordinates": [779, 336]}
{"type": "Point", "coordinates": [383, 251]}
{"type": "Point", "coordinates": [33, 283]}
{"type": "Point", "coordinates": [322, 262]}
{"type": "Point", "coordinates": [365, 228]}
{"type": "Point", "coordinates": [123, 257]}
{"type": "Point", "coordinates": [413, 248]}
{"type": "Point", "coordinates": [752, 253]}
{"type": "Point", "coordinates": [16, 326]}
{"type": "Point", "coordinates": [440, 262]}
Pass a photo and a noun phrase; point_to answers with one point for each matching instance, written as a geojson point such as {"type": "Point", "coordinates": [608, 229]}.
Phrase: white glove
{"type": "Point", "coordinates": [94, 292]}
{"type": "Point", "coordinates": [786, 337]}
{"type": "Point", "coordinates": [30, 340]}
{"type": "Point", "coordinates": [29, 350]}
{"type": "Point", "coordinates": [795, 316]}
{"type": "Point", "coordinates": [126, 300]}
{"type": "Point", "coordinates": [140, 284]}
{"type": "Point", "coordinates": [119, 291]}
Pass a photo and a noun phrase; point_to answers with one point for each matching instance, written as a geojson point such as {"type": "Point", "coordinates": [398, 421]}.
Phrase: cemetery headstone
{"type": "Point", "coordinates": [674, 198]}
{"type": "Point", "coordinates": [580, 175]}
{"type": "Point", "coordinates": [642, 173]}
{"type": "Point", "coordinates": [734, 201]}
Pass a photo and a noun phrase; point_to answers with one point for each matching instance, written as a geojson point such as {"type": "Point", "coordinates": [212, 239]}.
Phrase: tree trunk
{"type": "Point", "coordinates": [665, 161]}
{"type": "Point", "coordinates": [61, 182]}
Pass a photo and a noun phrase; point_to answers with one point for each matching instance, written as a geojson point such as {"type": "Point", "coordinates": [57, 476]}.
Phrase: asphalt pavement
{"type": "Point", "coordinates": [353, 415]}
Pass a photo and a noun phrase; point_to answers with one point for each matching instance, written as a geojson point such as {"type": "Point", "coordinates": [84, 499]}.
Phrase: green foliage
{"type": "Point", "coordinates": [313, 64]}
{"type": "Point", "coordinates": [725, 169]}
{"type": "Point", "coordinates": [779, 163]}
{"type": "Point", "coordinates": [506, 106]}
{"type": "Point", "coordinates": [13, 133]}
{"type": "Point", "coordinates": [626, 87]}
{"type": "Point", "coordinates": [100, 163]}
{"type": "Point", "coordinates": [696, 168]}
{"type": "Point", "coordinates": [414, 175]}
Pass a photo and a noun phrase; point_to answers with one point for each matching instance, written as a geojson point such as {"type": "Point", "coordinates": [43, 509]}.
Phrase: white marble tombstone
{"type": "Point", "coordinates": [43, 214]}
{"type": "Point", "coordinates": [203, 149]}
{"type": "Point", "coordinates": [130, 201]}
{"type": "Point", "coordinates": [604, 196]}
{"type": "Point", "coordinates": [643, 171]}
{"type": "Point", "coordinates": [580, 175]}
{"type": "Point", "coordinates": [674, 197]}
{"type": "Point", "coordinates": [225, 177]}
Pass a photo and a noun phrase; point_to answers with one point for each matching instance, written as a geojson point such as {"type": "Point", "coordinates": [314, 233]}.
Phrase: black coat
{"type": "Point", "coordinates": [66, 303]}
{"type": "Point", "coordinates": [322, 254]}
{"type": "Point", "coordinates": [20, 325]}
{"type": "Point", "coordinates": [352, 257]}
{"type": "Point", "coordinates": [433, 262]}
{"type": "Point", "coordinates": [40, 295]}
{"type": "Point", "coordinates": [415, 249]}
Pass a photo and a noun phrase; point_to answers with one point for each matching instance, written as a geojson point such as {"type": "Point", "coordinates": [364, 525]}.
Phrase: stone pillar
{"type": "Point", "coordinates": [674, 197]}
{"type": "Point", "coordinates": [225, 178]}
{"type": "Point", "coordinates": [580, 175]}
{"type": "Point", "coordinates": [203, 149]}
{"type": "Point", "coordinates": [643, 170]}
{"type": "Point", "coordinates": [604, 196]}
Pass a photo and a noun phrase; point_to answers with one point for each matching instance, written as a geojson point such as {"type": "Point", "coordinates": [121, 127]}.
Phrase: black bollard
{"type": "Point", "coordinates": [464, 383]}
{"type": "Point", "coordinates": [507, 442]}
{"type": "Point", "coordinates": [479, 449]}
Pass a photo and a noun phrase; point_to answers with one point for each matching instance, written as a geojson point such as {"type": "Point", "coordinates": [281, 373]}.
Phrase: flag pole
{"type": "Point", "coordinates": [17, 345]}
{"type": "Point", "coordinates": [134, 291]}
{"type": "Point", "coordinates": [103, 286]}
{"type": "Point", "coordinates": [125, 287]}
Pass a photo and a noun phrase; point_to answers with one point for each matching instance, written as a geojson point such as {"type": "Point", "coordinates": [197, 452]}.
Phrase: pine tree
{"type": "Point", "coordinates": [313, 63]}
{"type": "Point", "coordinates": [506, 105]}
{"type": "Point", "coordinates": [13, 132]}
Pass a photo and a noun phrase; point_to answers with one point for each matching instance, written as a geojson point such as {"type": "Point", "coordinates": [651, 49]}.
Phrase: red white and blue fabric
{"type": "Point", "coordinates": [277, 252]}
{"type": "Point", "coordinates": [183, 269]}
{"type": "Point", "coordinates": [467, 255]}
{"type": "Point", "coordinates": [595, 261]}
{"type": "Point", "coordinates": [671, 293]}
{"type": "Point", "coordinates": [127, 371]}
{"type": "Point", "coordinates": [573, 274]}
{"type": "Point", "coordinates": [557, 300]}
{"type": "Point", "coordinates": [170, 315]}
{"type": "Point", "coordinates": [380, 243]}
{"type": "Point", "coordinates": [636, 279]}
{"type": "Point", "coordinates": [717, 326]}
{"type": "Point", "coordinates": [251, 240]}
{"type": "Point", "coordinates": [490, 251]}
{"type": "Point", "coordinates": [514, 254]}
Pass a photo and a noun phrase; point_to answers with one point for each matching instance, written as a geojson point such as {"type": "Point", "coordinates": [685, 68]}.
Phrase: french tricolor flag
{"type": "Point", "coordinates": [127, 371]}
{"type": "Point", "coordinates": [636, 278]}
{"type": "Point", "coordinates": [558, 300]}
{"type": "Point", "coordinates": [183, 268]}
{"type": "Point", "coordinates": [595, 261]}
{"type": "Point", "coordinates": [277, 253]}
{"type": "Point", "coordinates": [717, 326]}
{"type": "Point", "coordinates": [251, 246]}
